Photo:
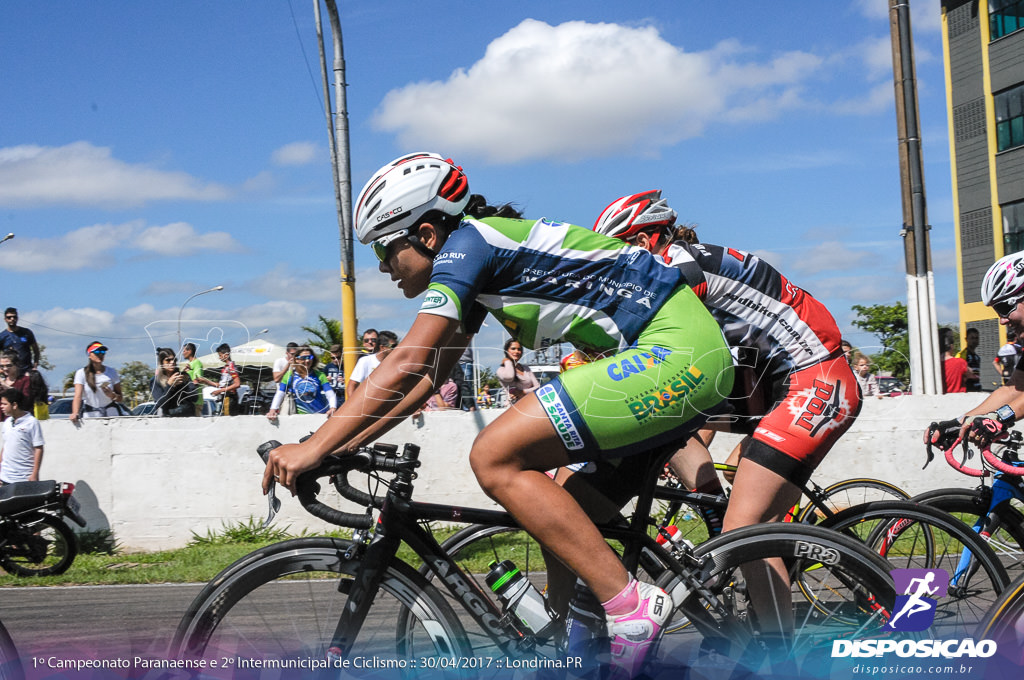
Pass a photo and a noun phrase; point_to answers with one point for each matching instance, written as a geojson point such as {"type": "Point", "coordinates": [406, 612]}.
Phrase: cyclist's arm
{"type": "Point", "coordinates": [397, 387]}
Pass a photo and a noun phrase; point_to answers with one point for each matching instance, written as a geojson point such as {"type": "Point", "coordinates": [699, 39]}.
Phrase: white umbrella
{"type": "Point", "coordinates": [249, 358]}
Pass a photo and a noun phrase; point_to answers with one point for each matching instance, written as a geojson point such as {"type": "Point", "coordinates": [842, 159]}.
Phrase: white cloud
{"type": "Point", "coordinates": [83, 174]}
{"type": "Point", "coordinates": [181, 238]}
{"type": "Point", "coordinates": [284, 283]}
{"type": "Point", "coordinates": [831, 256]}
{"type": "Point", "coordinates": [579, 90]}
{"type": "Point", "coordinates": [296, 153]}
{"type": "Point", "coordinates": [925, 15]}
{"type": "Point", "coordinates": [94, 247]}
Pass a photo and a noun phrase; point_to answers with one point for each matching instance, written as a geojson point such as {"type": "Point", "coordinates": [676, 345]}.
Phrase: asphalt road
{"type": "Point", "coordinates": [94, 621]}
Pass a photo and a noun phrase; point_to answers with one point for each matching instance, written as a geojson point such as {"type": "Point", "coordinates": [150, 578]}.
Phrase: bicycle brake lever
{"type": "Point", "coordinates": [273, 503]}
{"type": "Point", "coordinates": [931, 456]}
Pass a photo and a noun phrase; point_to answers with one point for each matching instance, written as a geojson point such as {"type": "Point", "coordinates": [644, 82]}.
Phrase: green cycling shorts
{"type": "Point", "coordinates": [662, 389]}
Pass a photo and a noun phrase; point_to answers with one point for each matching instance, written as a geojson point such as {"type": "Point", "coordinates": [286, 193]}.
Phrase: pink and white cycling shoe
{"type": "Point", "coordinates": [635, 634]}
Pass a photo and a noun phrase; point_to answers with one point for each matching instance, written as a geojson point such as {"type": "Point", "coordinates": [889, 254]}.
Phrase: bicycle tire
{"type": "Point", "coordinates": [296, 615]}
{"type": "Point", "coordinates": [914, 536]}
{"type": "Point", "coordinates": [1003, 622]}
{"type": "Point", "coordinates": [853, 580]}
{"type": "Point", "coordinates": [10, 662]}
{"type": "Point", "coordinates": [1006, 538]}
{"type": "Point", "coordinates": [39, 545]}
{"type": "Point", "coordinates": [849, 493]}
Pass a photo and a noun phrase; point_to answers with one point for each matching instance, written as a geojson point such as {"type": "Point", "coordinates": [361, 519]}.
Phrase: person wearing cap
{"type": "Point", "coordinates": [97, 387]}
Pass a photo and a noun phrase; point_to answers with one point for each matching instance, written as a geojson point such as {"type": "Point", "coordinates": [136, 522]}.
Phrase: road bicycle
{"type": "Point", "coordinates": [10, 662]}
{"type": "Point", "coordinates": [346, 601]}
{"type": "Point", "coordinates": [993, 510]}
{"type": "Point", "coordinates": [908, 535]}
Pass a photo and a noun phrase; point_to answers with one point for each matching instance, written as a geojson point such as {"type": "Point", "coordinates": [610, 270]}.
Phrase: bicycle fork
{"type": "Point", "coordinates": [987, 524]}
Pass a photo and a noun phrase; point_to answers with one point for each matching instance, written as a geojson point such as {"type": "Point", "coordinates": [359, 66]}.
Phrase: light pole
{"type": "Point", "coordinates": [182, 309]}
{"type": "Point", "coordinates": [7, 238]}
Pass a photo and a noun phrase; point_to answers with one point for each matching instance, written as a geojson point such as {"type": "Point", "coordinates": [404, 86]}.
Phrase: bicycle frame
{"type": "Point", "coordinates": [399, 520]}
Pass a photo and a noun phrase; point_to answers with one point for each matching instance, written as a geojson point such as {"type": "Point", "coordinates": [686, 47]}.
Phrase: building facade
{"type": "Point", "coordinates": [983, 48]}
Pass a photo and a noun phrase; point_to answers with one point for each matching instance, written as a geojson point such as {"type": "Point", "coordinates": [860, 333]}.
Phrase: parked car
{"type": "Point", "coordinates": [62, 408]}
{"type": "Point", "coordinates": [891, 386]}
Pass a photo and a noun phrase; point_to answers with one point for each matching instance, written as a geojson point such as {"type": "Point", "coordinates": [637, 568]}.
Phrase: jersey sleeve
{"type": "Point", "coordinates": [461, 270]}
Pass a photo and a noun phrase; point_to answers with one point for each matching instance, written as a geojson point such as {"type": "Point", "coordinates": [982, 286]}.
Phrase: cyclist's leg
{"type": "Point", "coordinates": [789, 442]}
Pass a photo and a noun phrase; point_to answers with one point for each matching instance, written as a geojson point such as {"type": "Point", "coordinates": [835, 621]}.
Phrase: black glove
{"type": "Point", "coordinates": [988, 428]}
{"type": "Point", "coordinates": [948, 432]}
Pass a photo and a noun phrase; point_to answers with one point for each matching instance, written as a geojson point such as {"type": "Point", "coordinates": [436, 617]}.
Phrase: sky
{"type": "Point", "coordinates": [151, 151]}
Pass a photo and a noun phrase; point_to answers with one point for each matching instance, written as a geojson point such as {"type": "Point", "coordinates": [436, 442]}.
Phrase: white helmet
{"type": "Point", "coordinates": [402, 191]}
{"type": "Point", "coordinates": [631, 214]}
{"type": "Point", "coordinates": [1004, 281]}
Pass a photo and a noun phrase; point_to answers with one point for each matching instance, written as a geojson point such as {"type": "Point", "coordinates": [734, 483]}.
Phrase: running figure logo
{"type": "Point", "coordinates": [916, 603]}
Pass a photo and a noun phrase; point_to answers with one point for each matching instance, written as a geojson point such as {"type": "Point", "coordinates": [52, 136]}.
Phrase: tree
{"type": "Point", "coordinates": [136, 380]}
{"type": "Point", "coordinates": [44, 363]}
{"type": "Point", "coordinates": [488, 378]}
{"type": "Point", "coordinates": [889, 324]}
{"type": "Point", "coordinates": [325, 332]}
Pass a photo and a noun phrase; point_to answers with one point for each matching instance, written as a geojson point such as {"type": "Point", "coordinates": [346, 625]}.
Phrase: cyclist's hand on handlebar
{"type": "Point", "coordinates": [986, 429]}
{"type": "Point", "coordinates": [944, 434]}
{"type": "Point", "coordinates": [287, 462]}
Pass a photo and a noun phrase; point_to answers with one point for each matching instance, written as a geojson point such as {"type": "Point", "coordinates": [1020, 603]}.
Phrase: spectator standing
{"type": "Point", "coordinates": [286, 362]}
{"type": "Point", "coordinates": [310, 387]}
{"type": "Point", "coordinates": [1007, 356]}
{"type": "Point", "coordinates": [385, 341]}
{"type": "Point", "coordinates": [867, 381]}
{"type": "Point", "coordinates": [462, 375]}
{"type": "Point", "coordinates": [847, 350]}
{"type": "Point", "coordinates": [14, 377]}
{"type": "Point", "coordinates": [194, 368]}
{"type": "Point", "coordinates": [230, 381]}
{"type": "Point", "coordinates": [40, 395]}
{"type": "Point", "coordinates": [955, 371]}
{"type": "Point", "coordinates": [335, 371]}
{"type": "Point", "coordinates": [97, 387]}
{"type": "Point", "coordinates": [970, 354]}
{"type": "Point", "coordinates": [173, 390]}
{"type": "Point", "coordinates": [22, 452]}
{"type": "Point", "coordinates": [370, 340]}
{"type": "Point", "coordinates": [515, 377]}
{"type": "Point", "coordinates": [20, 340]}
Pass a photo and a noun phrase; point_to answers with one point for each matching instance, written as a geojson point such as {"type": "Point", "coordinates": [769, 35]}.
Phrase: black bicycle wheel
{"type": "Point", "coordinates": [284, 601]}
{"type": "Point", "coordinates": [40, 545]}
{"type": "Point", "coordinates": [847, 494]}
{"type": "Point", "coordinates": [1004, 623]}
{"type": "Point", "coordinates": [854, 597]}
{"type": "Point", "coordinates": [914, 536]}
{"type": "Point", "coordinates": [10, 662]}
{"type": "Point", "coordinates": [1005, 536]}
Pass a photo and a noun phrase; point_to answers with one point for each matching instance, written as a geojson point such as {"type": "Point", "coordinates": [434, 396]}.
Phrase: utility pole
{"type": "Point", "coordinates": [337, 133]}
{"type": "Point", "coordinates": [921, 317]}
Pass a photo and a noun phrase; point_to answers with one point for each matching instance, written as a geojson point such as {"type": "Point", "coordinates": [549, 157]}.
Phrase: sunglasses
{"type": "Point", "coordinates": [11, 316]}
{"type": "Point", "coordinates": [380, 246]}
{"type": "Point", "coordinates": [305, 357]}
{"type": "Point", "coordinates": [1005, 308]}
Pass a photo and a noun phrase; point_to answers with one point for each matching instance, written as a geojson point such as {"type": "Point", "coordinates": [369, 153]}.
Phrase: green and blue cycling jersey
{"type": "Point", "coordinates": [313, 393]}
{"type": "Point", "coordinates": [549, 282]}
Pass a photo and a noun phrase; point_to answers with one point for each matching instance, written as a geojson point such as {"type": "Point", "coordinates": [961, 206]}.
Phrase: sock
{"type": "Point", "coordinates": [626, 601]}
{"type": "Point", "coordinates": [711, 515]}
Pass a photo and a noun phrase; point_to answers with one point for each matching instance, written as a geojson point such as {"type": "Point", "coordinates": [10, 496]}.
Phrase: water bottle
{"type": "Point", "coordinates": [519, 596]}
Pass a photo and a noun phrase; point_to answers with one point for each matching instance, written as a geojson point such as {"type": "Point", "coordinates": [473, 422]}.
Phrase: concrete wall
{"type": "Point", "coordinates": [156, 481]}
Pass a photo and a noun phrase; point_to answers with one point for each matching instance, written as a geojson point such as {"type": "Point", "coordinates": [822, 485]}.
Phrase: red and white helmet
{"type": "Point", "coordinates": [631, 214]}
{"type": "Point", "coordinates": [1004, 280]}
{"type": "Point", "coordinates": [402, 191]}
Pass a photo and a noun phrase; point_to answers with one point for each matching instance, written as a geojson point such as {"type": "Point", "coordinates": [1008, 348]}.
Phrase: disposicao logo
{"type": "Point", "coordinates": [917, 596]}
{"type": "Point", "coordinates": [915, 608]}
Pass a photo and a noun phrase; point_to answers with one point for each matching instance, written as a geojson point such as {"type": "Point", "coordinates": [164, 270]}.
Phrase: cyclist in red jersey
{"type": "Point", "coordinates": [790, 340]}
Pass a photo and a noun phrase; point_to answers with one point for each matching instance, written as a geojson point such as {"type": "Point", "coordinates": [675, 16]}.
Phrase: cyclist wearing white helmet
{"type": "Point", "coordinates": [1002, 289]}
{"type": "Point", "coordinates": [546, 282]}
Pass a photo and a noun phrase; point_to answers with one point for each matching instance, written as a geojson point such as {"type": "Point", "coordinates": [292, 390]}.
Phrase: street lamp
{"type": "Point", "coordinates": [7, 238]}
{"type": "Point", "coordinates": [182, 309]}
